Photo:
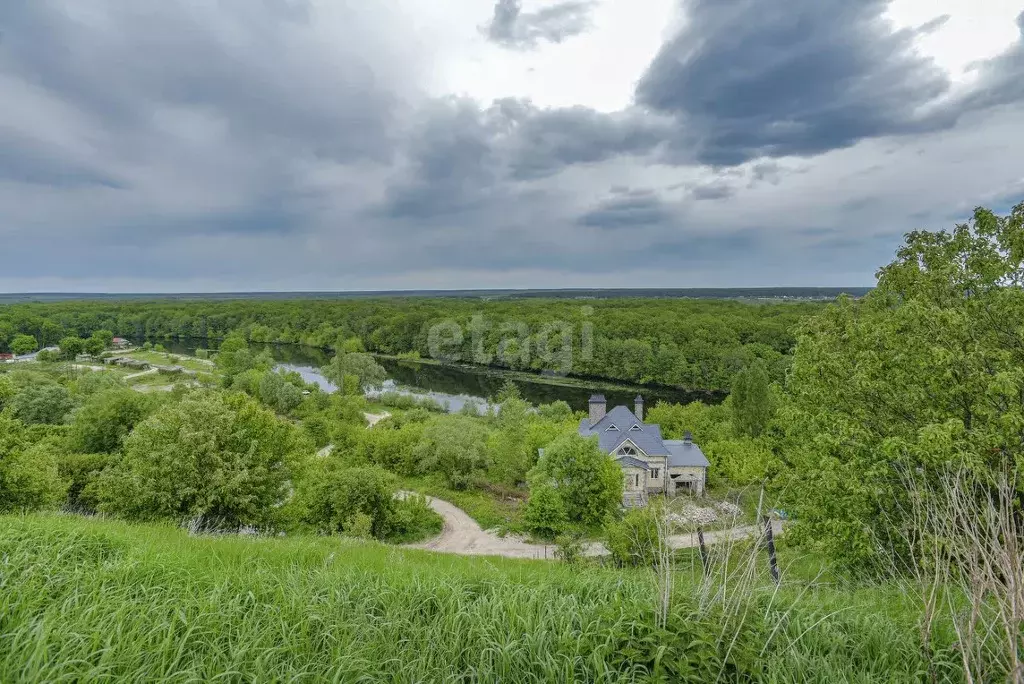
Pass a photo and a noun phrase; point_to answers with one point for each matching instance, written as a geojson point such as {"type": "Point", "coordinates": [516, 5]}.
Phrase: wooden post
{"type": "Point", "coordinates": [769, 536]}
{"type": "Point", "coordinates": [703, 552]}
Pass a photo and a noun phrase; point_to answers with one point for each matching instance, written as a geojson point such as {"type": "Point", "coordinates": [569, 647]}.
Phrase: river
{"type": "Point", "coordinates": [455, 385]}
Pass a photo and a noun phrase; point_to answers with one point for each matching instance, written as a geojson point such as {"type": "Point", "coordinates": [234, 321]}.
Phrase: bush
{"type": "Point", "coordinates": [332, 496]}
{"type": "Point", "coordinates": [636, 538]}
{"type": "Point", "coordinates": [7, 390]}
{"type": "Point", "coordinates": [24, 344]}
{"type": "Point", "coordinates": [81, 472]}
{"type": "Point", "coordinates": [545, 515]}
{"type": "Point", "coordinates": [46, 402]}
{"type": "Point", "coordinates": [414, 520]}
{"type": "Point", "coordinates": [278, 393]}
{"type": "Point", "coordinates": [90, 382]}
{"type": "Point", "coordinates": [28, 472]}
{"type": "Point", "coordinates": [225, 459]}
{"type": "Point", "coordinates": [588, 482]}
{"type": "Point", "coordinates": [70, 347]}
{"type": "Point", "coordinates": [453, 446]}
{"type": "Point", "coordinates": [106, 418]}
{"type": "Point", "coordinates": [570, 548]}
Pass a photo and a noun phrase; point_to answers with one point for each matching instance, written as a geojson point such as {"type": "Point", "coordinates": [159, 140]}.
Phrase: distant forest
{"type": "Point", "coordinates": [691, 343]}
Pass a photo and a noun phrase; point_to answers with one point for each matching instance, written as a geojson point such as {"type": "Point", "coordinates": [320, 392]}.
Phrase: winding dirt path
{"type": "Point", "coordinates": [463, 536]}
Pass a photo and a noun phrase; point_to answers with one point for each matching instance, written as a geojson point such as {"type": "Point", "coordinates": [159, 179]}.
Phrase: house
{"type": "Point", "coordinates": [120, 343]}
{"type": "Point", "coordinates": [650, 464]}
{"type": "Point", "coordinates": [6, 357]}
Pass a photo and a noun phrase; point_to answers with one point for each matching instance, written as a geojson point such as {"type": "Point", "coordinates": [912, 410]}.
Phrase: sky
{"type": "Point", "coordinates": [333, 145]}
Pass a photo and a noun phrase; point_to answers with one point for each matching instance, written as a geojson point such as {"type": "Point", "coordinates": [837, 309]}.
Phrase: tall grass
{"type": "Point", "coordinates": [87, 600]}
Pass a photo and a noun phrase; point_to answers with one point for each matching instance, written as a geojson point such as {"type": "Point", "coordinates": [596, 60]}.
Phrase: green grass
{"type": "Point", "coordinates": [488, 509]}
{"type": "Point", "coordinates": [89, 600]}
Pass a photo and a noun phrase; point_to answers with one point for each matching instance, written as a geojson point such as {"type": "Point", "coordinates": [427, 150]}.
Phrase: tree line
{"type": "Point", "coordinates": [694, 344]}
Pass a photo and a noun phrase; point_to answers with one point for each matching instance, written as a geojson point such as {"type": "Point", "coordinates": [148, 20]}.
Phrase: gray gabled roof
{"type": "Point", "coordinates": [648, 438]}
{"type": "Point", "coordinates": [683, 453]}
{"type": "Point", "coordinates": [632, 462]}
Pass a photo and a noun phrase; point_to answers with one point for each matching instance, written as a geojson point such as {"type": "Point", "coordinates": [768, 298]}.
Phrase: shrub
{"type": "Point", "coordinates": [81, 472]}
{"type": "Point", "coordinates": [28, 472]}
{"type": "Point", "coordinates": [636, 539]}
{"type": "Point", "coordinates": [414, 519]}
{"type": "Point", "coordinates": [24, 344]}
{"type": "Point", "coordinates": [7, 390]}
{"type": "Point", "coordinates": [106, 418]}
{"type": "Point", "coordinates": [453, 446]}
{"type": "Point", "coordinates": [588, 482]}
{"type": "Point", "coordinates": [570, 547]}
{"type": "Point", "coordinates": [70, 347]}
{"type": "Point", "coordinates": [278, 393]}
{"type": "Point", "coordinates": [42, 403]}
{"type": "Point", "coordinates": [545, 515]}
{"type": "Point", "coordinates": [333, 495]}
{"type": "Point", "coordinates": [225, 459]}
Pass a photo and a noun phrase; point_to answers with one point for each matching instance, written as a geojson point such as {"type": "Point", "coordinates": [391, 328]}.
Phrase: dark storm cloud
{"type": "Point", "coordinates": [512, 28]}
{"type": "Point", "coordinates": [22, 161]}
{"type": "Point", "coordinates": [547, 140]}
{"type": "Point", "coordinates": [714, 190]}
{"type": "Point", "coordinates": [1001, 79]}
{"type": "Point", "coordinates": [247, 66]}
{"type": "Point", "coordinates": [751, 78]}
{"type": "Point", "coordinates": [629, 209]}
{"type": "Point", "coordinates": [461, 156]}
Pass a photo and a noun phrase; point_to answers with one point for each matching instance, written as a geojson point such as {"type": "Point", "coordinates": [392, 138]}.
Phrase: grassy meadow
{"type": "Point", "coordinates": [85, 600]}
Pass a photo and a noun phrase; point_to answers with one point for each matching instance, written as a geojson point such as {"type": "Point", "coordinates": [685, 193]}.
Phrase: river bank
{"type": "Point", "coordinates": [457, 383]}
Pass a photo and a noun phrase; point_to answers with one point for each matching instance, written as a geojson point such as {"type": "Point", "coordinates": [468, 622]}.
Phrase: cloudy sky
{"type": "Point", "coordinates": [210, 145]}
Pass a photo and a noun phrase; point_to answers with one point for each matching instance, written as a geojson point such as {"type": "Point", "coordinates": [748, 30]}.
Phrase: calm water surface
{"type": "Point", "coordinates": [454, 386]}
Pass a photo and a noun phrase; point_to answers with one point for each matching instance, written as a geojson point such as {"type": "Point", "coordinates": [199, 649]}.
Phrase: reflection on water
{"type": "Point", "coordinates": [454, 385]}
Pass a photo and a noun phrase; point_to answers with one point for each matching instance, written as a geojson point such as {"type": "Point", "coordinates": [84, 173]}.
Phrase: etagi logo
{"type": "Point", "coordinates": [557, 344]}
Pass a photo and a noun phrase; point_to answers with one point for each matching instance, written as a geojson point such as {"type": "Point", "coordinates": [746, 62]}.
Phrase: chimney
{"type": "Point", "coordinates": [597, 408]}
{"type": "Point", "coordinates": [687, 437]}
{"type": "Point", "coordinates": [639, 405]}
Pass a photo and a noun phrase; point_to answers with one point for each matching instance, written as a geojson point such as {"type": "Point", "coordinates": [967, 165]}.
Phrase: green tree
{"type": "Point", "coordinates": [224, 459]}
{"type": "Point", "coordinates": [636, 539]}
{"type": "Point", "coordinates": [751, 398]}
{"type": "Point", "coordinates": [70, 347]}
{"type": "Point", "coordinates": [510, 454]}
{"type": "Point", "coordinates": [453, 446]}
{"type": "Point", "coordinates": [42, 403]}
{"type": "Point", "coordinates": [586, 479]}
{"type": "Point", "coordinates": [7, 390]}
{"type": "Point", "coordinates": [334, 496]}
{"type": "Point", "coordinates": [95, 345]}
{"type": "Point", "coordinates": [105, 336]}
{"type": "Point", "coordinates": [24, 344]}
{"type": "Point", "coordinates": [28, 471]}
{"type": "Point", "coordinates": [106, 418]}
{"type": "Point", "coordinates": [277, 392]}
{"type": "Point", "coordinates": [354, 371]}
{"type": "Point", "coordinates": [544, 514]}
{"type": "Point", "coordinates": [925, 372]}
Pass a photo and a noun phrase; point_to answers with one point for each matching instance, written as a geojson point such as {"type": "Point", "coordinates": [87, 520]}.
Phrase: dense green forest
{"type": "Point", "coordinates": [696, 344]}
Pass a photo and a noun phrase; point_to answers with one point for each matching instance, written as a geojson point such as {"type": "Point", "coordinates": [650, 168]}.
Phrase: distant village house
{"type": "Point", "coordinates": [650, 464]}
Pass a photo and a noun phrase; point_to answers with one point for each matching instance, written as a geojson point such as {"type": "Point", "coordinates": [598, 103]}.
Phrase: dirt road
{"type": "Point", "coordinates": [463, 536]}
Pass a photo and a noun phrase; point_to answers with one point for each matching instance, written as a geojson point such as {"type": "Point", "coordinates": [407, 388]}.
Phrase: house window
{"type": "Point", "coordinates": [611, 428]}
{"type": "Point", "coordinates": [627, 451]}
{"type": "Point", "coordinates": [636, 428]}
{"type": "Point", "coordinates": [655, 473]}
{"type": "Point", "coordinates": [636, 480]}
